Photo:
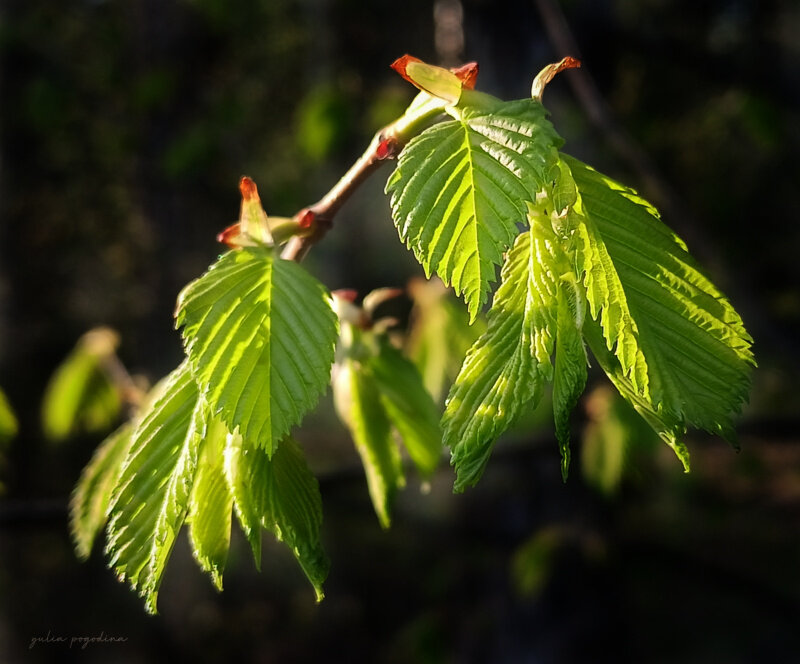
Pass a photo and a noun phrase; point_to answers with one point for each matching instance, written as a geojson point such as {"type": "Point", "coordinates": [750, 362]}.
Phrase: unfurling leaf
{"type": "Point", "coordinates": [359, 407]}
{"type": "Point", "coordinates": [260, 334]}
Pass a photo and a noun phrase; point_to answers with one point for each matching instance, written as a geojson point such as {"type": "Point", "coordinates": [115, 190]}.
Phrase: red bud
{"type": "Point", "coordinates": [248, 189]}
{"type": "Point", "coordinates": [230, 236]}
{"type": "Point", "coordinates": [467, 74]}
{"type": "Point", "coordinates": [387, 148]}
{"type": "Point", "coordinates": [306, 218]}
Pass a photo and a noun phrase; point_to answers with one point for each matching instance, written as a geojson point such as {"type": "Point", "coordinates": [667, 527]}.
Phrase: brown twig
{"type": "Point", "coordinates": [385, 145]}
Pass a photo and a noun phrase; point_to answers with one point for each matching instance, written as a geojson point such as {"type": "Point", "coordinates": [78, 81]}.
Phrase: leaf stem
{"type": "Point", "coordinates": [385, 145]}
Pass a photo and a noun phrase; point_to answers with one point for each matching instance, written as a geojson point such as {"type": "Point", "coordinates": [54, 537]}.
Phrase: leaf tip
{"type": "Point", "coordinates": [549, 72]}
{"type": "Point", "coordinates": [467, 74]}
{"type": "Point", "coordinates": [248, 189]}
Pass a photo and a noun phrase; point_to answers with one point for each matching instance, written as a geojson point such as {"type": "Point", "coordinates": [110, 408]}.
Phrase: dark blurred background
{"type": "Point", "coordinates": [124, 129]}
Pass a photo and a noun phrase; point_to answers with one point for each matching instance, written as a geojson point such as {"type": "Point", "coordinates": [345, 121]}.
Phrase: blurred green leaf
{"type": "Point", "coordinates": [440, 334]}
{"type": "Point", "coordinates": [8, 421]}
{"type": "Point", "coordinates": [80, 395]}
{"type": "Point", "coordinates": [613, 431]}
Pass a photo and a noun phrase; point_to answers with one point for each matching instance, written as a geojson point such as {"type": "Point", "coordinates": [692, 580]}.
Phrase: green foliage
{"type": "Point", "coordinates": [260, 334]}
{"type": "Point", "coordinates": [585, 263]}
{"type": "Point", "coordinates": [81, 395]}
{"type": "Point", "coordinates": [612, 435]}
{"type": "Point", "coordinates": [379, 395]}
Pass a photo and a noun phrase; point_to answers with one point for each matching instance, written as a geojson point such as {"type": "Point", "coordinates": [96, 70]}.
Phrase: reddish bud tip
{"type": "Point", "coordinates": [248, 189]}
{"type": "Point", "coordinates": [387, 148]}
{"type": "Point", "coordinates": [230, 236]}
{"type": "Point", "coordinates": [306, 219]}
{"type": "Point", "coordinates": [347, 294]}
{"type": "Point", "coordinates": [467, 74]}
{"type": "Point", "coordinates": [400, 65]}
{"type": "Point", "coordinates": [571, 63]}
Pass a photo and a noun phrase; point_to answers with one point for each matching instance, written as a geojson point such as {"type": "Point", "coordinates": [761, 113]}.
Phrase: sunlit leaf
{"type": "Point", "coordinates": [149, 504]}
{"type": "Point", "coordinates": [281, 495]}
{"type": "Point", "coordinates": [460, 190]}
{"type": "Point", "coordinates": [92, 496]}
{"type": "Point", "coordinates": [506, 368]}
{"type": "Point", "coordinates": [260, 334]}
{"type": "Point", "coordinates": [211, 504]}
{"type": "Point", "coordinates": [695, 350]}
{"type": "Point", "coordinates": [358, 403]}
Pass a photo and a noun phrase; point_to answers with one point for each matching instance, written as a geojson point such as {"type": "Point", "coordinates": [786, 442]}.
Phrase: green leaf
{"type": "Point", "coordinates": [149, 505]}
{"type": "Point", "coordinates": [612, 435]}
{"type": "Point", "coordinates": [80, 395]}
{"type": "Point", "coordinates": [506, 368]}
{"type": "Point", "coordinates": [91, 498]}
{"type": "Point", "coordinates": [211, 505]}
{"type": "Point", "coordinates": [408, 405]}
{"type": "Point", "coordinates": [569, 378]}
{"type": "Point", "coordinates": [460, 188]}
{"type": "Point", "coordinates": [8, 421]}
{"type": "Point", "coordinates": [693, 345]}
{"type": "Point", "coordinates": [245, 466]}
{"type": "Point", "coordinates": [260, 334]}
{"type": "Point", "coordinates": [359, 405]}
{"type": "Point", "coordinates": [282, 495]}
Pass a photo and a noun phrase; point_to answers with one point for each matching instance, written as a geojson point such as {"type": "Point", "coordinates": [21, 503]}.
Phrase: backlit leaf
{"type": "Point", "coordinates": [148, 506]}
{"type": "Point", "coordinates": [460, 190]}
{"type": "Point", "coordinates": [695, 350]}
{"type": "Point", "coordinates": [260, 334]}
{"type": "Point", "coordinates": [358, 403]}
{"type": "Point", "coordinates": [211, 504]}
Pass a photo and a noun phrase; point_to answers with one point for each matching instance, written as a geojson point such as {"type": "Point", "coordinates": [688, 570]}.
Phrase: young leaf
{"type": "Point", "coordinates": [408, 405]}
{"type": "Point", "coordinates": [211, 505]}
{"type": "Point", "coordinates": [282, 495]}
{"type": "Point", "coordinates": [260, 334]}
{"type": "Point", "coordinates": [695, 349]}
{"type": "Point", "coordinates": [359, 405]}
{"type": "Point", "coordinates": [460, 189]}
{"type": "Point", "coordinates": [92, 495]}
{"type": "Point", "coordinates": [148, 506]}
{"type": "Point", "coordinates": [507, 366]}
